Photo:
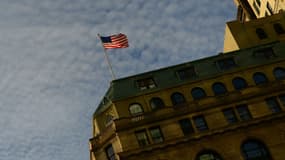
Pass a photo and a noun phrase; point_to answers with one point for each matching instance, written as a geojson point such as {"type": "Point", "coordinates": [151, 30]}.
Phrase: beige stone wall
{"type": "Point", "coordinates": [228, 144]}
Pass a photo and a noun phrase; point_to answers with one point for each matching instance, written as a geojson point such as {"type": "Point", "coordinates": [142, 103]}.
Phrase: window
{"type": "Point", "coordinates": [142, 138]}
{"type": "Point", "coordinates": [279, 73]}
{"type": "Point", "coordinates": [266, 53]}
{"type": "Point", "coordinates": [219, 88]}
{"type": "Point", "coordinates": [186, 126]}
{"type": "Point", "coordinates": [256, 8]}
{"type": "Point", "coordinates": [110, 152]}
{"type": "Point", "coordinates": [208, 155]}
{"type": "Point", "coordinates": [269, 8]}
{"type": "Point", "coordinates": [186, 73]}
{"type": "Point", "coordinates": [135, 109]}
{"type": "Point", "coordinates": [156, 103]}
{"type": "Point", "coordinates": [198, 93]}
{"type": "Point", "coordinates": [240, 14]}
{"type": "Point", "coordinates": [239, 83]}
{"type": "Point", "coordinates": [230, 115]}
{"type": "Point", "coordinates": [258, 2]}
{"type": "Point", "coordinates": [259, 78]}
{"type": "Point", "coordinates": [147, 83]}
{"type": "Point", "coordinates": [177, 98]}
{"type": "Point", "coordinates": [273, 104]}
{"type": "Point", "coordinates": [278, 28]}
{"type": "Point", "coordinates": [156, 134]}
{"type": "Point", "coordinates": [266, 14]}
{"type": "Point", "coordinates": [255, 150]}
{"type": "Point", "coordinates": [261, 33]}
{"type": "Point", "coordinates": [243, 112]}
{"type": "Point", "coordinates": [200, 123]}
{"type": "Point", "coordinates": [226, 64]}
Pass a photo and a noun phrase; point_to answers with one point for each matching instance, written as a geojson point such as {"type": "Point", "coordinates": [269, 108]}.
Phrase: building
{"type": "Point", "coordinates": [240, 35]}
{"type": "Point", "coordinates": [227, 106]}
{"type": "Point", "coordinates": [253, 9]}
{"type": "Point", "coordinates": [218, 106]}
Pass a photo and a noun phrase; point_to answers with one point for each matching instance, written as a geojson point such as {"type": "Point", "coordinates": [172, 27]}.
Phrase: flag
{"type": "Point", "coordinates": [115, 41]}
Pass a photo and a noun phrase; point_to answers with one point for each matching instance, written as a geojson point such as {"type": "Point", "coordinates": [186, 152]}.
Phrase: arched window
{"type": "Point", "coordinates": [198, 93]}
{"type": "Point", "coordinates": [255, 150]}
{"type": "Point", "coordinates": [239, 83]}
{"type": "Point", "coordinates": [177, 98]}
{"type": "Point", "coordinates": [278, 28]}
{"type": "Point", "coordinates": [135, 109]}
{"type": "Point", "coordinates": [261, 33]}
{"type": "Point", "coordinates": [219, 88]}
{"type": "Point", "coordinates": [156, 103]}
{"type": "Point", "coordinates": [208, 155]}
{"type": "Point", "coordinates": [279, 73]}
{"type": "Point", "coordinates": [259, 78]}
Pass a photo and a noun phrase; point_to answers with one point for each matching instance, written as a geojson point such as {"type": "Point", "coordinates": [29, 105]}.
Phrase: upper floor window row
{"type": "Point", "coordinates": [222, 64]}
{"type": "Point", "coordinates": [261, 34]}
{"type": "Point", "coordinates": [218, 88]}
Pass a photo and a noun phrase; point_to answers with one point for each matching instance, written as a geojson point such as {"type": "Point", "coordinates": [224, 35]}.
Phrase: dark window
{"type": "Point", "coordinates": [186, 126]}
{"type": "Point", "coordinates": [256, 8]}
{"type": "Point", "coordinates": [261, 33]}
{"type": "Point", "coordinates": [156, 134]}
{"type": "Point", "coordinates": [156, 103]}
{"type": "Point", "coordinates": [230, 115]}
{"type": "Point", "coordinates": [243, 112]}
{"type": "Point", "coordinates": [259, 78]}
{"type": "Point", "coordinates": [110, 152]}
{"type": "Point", "coordinates": [177, 98]}
{"type": "Point", "coordinates": [219, 88]}
{"type": "Point", "coordinates": [266, 14]}
{"type": "Point", "coordinates": [239, 83]}
{"type": "Point", "coordinates": [273, 104]}
{"type": "Point", "coordinates": [279, 73]}
{"type": "Point", "coordinates": [135, 109]}
{"type": "Point", "coordinates": [208, 155]}
{"type": "Point", "coordinates": [258, 2]}
{"type": "Point", "coordinates": [198, 93]}
{"type": "Point", "coordinates": [255, 150]}
{"type": "Point", "coordinates": [266, 53]}
{"type": "Point", "coordinates": [142, 138]}
{"type": "Point", "coordinates": [278, 28]}
{"type": "Point", "coordinates": [269, 8]}
{"type": "Point", "coordinates": [282, 99]}
{"type": "Point", "coordinates": [200, 123]}
{"type": "Point", "coordinates": [147, 83]}
{"type": "Point", "coordinates": [186, 73]}
{"type": "Point", "coordinates": [226, 64]}
{"type": "Point", "coordinates": [240, 14]}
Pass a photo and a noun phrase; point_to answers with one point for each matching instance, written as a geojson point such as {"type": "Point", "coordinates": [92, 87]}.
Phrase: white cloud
{"type": "Point", "coordinates": [53, 71]}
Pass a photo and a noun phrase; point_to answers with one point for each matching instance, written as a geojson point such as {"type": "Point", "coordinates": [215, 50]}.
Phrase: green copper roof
{"type": "Point", "coordinates": [204, 68]}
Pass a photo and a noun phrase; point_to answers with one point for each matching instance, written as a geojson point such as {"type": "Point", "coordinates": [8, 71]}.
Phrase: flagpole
{"type": "Point", "coordinates": [107, 58]}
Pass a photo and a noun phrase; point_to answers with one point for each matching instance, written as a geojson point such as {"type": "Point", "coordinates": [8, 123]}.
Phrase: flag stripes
{"type": "Point", "coordinates": [115, 41]}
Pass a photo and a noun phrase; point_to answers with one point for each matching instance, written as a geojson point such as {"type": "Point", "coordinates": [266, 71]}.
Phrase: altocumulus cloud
{"type": "Point", "coordinates": [52, 65]}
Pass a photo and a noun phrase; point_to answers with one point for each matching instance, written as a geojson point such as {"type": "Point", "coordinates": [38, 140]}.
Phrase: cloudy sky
{"type": "Point", "coordinates": [52, 67]}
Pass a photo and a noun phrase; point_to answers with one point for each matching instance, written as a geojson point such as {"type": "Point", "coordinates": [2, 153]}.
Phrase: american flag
{"type": "Point", "coordinates": [115, 41]}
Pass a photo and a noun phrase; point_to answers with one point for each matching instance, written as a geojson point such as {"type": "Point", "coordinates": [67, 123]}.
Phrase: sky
{"type": "Point", "coordinates": [53, 71]}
